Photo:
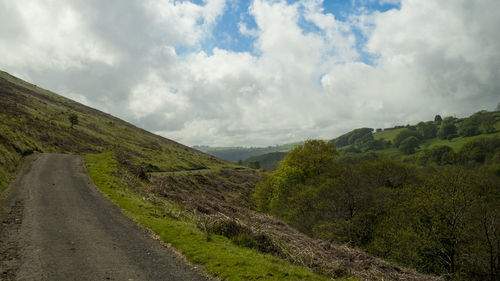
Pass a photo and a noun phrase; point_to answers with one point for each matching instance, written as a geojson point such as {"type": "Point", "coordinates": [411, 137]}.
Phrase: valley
{"type": "Point", "coordinates": [317, 217]}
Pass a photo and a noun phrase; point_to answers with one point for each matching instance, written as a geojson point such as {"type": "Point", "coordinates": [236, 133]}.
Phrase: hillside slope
{"type": "Point", "coordinates": [207, 213]}
{"type": "Point", "coordinates": [33, 119]}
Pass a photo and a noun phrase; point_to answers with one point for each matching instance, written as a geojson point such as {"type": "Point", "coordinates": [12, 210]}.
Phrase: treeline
{"type": "Point", "coordinates": [410, 138]}
{"type": "Point", "coordinates": [268, 161]}
{"type": "Point", "coordinates": [442, 218]}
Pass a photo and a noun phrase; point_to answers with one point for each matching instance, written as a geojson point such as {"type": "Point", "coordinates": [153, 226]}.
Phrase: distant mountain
{"type": "Point", "coordinates": [233, 154]}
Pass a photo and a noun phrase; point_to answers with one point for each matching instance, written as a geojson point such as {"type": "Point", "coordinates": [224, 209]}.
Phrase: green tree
{"type": "Point", "coordinates": [254, 164]}
{"type": "Point", "coordinates": [488, 124]}
{"type": "Point", "coordinates": [437, 154]}
{"type": "Point", "coordinates": [409, 145]}
{"type": "Point", "coordinates": [73, 119]}
{"type": "Point", "coordinates": [438, 119]}
{"type": "Point", "coordinates": [351, 137]}
{"type": "Point", "coordinates": [404, 135]}
{"type": "Point", "coordinates": [292, 191]}
{"type": "Point", "coordinates": [427, 130]}
{"type": "Point", "coordinates": [470, 126]}
{"type": "Point", "coordinates": [447, 130]}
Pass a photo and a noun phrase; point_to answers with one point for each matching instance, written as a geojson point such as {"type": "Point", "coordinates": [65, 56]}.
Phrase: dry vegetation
{"type": "Point", "coordinates": [220, 202]}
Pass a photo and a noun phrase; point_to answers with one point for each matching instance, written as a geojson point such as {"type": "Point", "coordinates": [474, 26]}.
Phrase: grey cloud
{"type": "Point", "coordinates": [425, 66]}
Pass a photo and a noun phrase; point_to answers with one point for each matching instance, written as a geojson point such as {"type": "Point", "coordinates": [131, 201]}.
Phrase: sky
{"type": "Point", "coordinates": [259, 72]}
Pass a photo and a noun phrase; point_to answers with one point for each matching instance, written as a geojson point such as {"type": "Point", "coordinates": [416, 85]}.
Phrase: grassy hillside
{"type": "Point", "coordinates": [269, 161]}
{"type": "Point", "coordinates": [33, 119]}
{"type": "Point", "coordinates": [199, 204]}
{"type": "Point", "coordinates": [363, 143]}
{"type": "Point", "coordinates": [451, 132]}
{"type": "Point", "coordinates": [120, 159]}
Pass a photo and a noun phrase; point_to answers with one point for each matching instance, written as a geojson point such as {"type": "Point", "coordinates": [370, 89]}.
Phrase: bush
{"type": "Point", "coordinates": [404, 135]}
{"type": "Point", "coordinates": [254, 164]}
{"type": "Point", "coordinates": [73, 119]}
{"type": "Point", "coordinates": [427, 130]}
{"type": "Point", "coordinates": [479, 150]}
{"type": "Point", "coordinates": [409, 145]}
{"type": "Point", "coordinates": [447, 130]}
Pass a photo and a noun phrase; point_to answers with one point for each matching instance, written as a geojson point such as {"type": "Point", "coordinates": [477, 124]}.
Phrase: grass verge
{"type": "Point", "coordinates": [217, 254]}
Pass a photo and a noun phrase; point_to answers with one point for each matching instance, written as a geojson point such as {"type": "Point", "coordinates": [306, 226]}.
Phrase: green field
{"type": "Point", "coordinates": [388, 134]}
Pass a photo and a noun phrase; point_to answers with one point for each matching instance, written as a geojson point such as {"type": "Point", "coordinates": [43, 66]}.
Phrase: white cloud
{"type": "Point", "coordinates": [242, 27]}
{"type": "Point", "coordinates": [155, 94]}
{"type": "Point", "coordinates": [430, 57]}
{"type": "Point", "coordinates": [53, 36]}
{"type": "Point", "coordinates": [185, 22]}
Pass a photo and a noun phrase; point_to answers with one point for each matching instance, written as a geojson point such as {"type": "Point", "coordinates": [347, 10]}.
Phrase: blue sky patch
{"type": "Point", "coordinates": [226, 34]}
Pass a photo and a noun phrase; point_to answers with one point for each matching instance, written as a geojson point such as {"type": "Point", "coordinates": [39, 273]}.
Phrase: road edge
{"type": "Point", "coordinates": [6, 194]}
{"type": "Point", "coordinates": [195, 267]}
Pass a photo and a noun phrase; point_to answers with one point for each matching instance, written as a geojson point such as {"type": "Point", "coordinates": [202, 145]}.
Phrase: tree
{"type": "Point", "coordinates": [470, 126]}
{"type": "Point", "coordinates": [240, 162]}
{"type": "Point", "coordinates": [73, 119]}
{"type": "Point", "coordinates": [289, 192]}
{"type": "Point", "coordinates": [438, 119]}
{"type": "Point", "coordinates": [312, 158]}
{"type": "Point", "coordinates": [404, 135]}
{"type": "Point", "coordinates": [409, 145]}
{"type": "Point", "coordinates": [427, 130]}
{"type": "Point", "coordinates": [448, 130]}
{"type": "Point", "coordinates": [438, 155]}
{"type": "Point", "coordinates": [488, 124]}
{"type": "Point", "coordinates": [254, 164]}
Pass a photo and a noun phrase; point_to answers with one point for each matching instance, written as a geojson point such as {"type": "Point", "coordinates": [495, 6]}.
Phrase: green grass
{"type": "Point", "coordinates": [388, 134]}
{"type": "Point", "coordinates": [34, 119]}
{"type": "Point", "coordinates": [455, 143]}
{"type": "Point", "coordinates": [217, 254]}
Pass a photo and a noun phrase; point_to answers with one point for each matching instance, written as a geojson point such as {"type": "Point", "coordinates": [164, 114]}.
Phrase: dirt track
{"type": "Point", "coordinates": [59, 227]}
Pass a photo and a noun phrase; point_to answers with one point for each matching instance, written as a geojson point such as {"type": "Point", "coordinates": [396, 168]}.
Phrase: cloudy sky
{"type": "Point", "coordinates": [259, 72]}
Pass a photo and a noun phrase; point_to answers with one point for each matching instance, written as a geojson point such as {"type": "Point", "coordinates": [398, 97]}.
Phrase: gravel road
{"type": "Point", "coordinates": [57, 226]}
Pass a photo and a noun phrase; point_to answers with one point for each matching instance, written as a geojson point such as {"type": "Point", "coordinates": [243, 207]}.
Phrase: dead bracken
{"type": "Point", "coordinates": [220, 202]}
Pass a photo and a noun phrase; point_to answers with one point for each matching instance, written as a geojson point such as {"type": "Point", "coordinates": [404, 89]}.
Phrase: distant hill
{"type": "Point", "coordinates": [269, 161]}
{"type": "Point", "coordinates": [411, 141]}
{"type": "Point", "coordinates": [367, 143]}
{"type": "Point", "coordinates": [233, 154]}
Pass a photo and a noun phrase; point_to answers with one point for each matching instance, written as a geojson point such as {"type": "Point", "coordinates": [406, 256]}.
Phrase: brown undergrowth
{"type": "Point", "coordinates": [220, 202]}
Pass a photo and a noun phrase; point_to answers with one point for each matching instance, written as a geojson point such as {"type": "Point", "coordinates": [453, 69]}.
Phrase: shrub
{"type": "Point", "coordinates": [409, 145]}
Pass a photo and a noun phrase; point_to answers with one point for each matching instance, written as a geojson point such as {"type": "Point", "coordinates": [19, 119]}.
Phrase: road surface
{"type": "Point", "coordinates": [59, 227]}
